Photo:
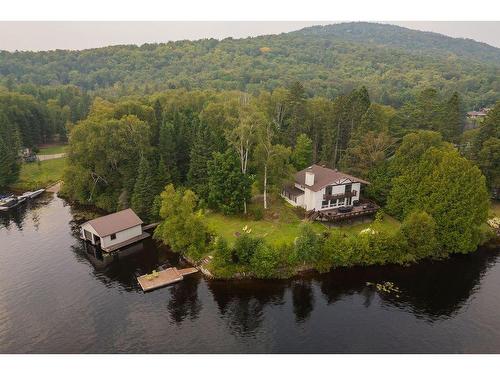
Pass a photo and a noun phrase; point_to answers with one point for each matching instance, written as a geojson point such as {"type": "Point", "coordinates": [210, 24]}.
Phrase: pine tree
{"type": "Point", "coordinates": [156, 123]}
{"type": "Point", "coordinates": [9, 151]}
{"type": "Point", "coordinates": [296, 104]}
{"type": "Point", "coordinates": [143, 194]}
{"type": "Point", "coordinates": [200, 154]}
{"type": "Point", "coordinates": [167, 150]}
{"type": "Point", "coordinates": [453, 120]}
{"type": "Point", "coordinates": [162, 177]}
{"type": "Point", "coordinates": [228, 186]}
{"type": "Point", "coordinates": [302, 153]}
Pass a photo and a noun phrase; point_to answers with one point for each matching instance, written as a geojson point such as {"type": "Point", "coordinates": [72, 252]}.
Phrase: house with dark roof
{"type": "Point", "coordinates": [114, 231]}
{"type": "Point", "coordinates": [318, 188]}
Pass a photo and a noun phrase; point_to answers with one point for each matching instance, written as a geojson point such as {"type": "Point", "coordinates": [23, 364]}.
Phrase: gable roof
{"type": "Point", "coordinates": [109, 224]}
{"type": "Point", "coordinates": [324, 176]}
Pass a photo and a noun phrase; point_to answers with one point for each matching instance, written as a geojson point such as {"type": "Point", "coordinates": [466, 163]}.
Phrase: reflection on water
{"type": "Point", "coordinates": [59, 294]}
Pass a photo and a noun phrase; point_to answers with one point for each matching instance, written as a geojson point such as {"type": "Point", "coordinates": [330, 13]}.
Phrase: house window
{"type": "Point", "coordinates": [333, 203]}
{"type": "Point", "coordinates": [113, 236]}
{"type": "Point", "coordinates": [324, 204]}
{"type": "Point", "coordinates": [328, 190]}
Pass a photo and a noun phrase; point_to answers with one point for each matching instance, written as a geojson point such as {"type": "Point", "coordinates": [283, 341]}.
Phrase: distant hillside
{"type": "Point", "coordinates": [394, 63]}
{"type": "Point", "coordinates": [413, 41]}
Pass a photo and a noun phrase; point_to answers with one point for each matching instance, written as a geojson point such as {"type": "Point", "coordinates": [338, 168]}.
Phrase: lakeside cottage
{"type": "Point", "coordinates": [327, 194]}
{"type": "Point", "coordinates": [114, 231]}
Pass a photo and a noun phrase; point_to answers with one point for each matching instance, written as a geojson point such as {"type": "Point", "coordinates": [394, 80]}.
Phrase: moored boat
{"type": "Point", "coordinates": [33, 194]}
{"type": "Point", "coordinates": [10, 202]}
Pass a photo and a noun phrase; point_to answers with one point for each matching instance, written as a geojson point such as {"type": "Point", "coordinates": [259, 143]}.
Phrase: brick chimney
{"type": "Point", "coordinates": [309, 177]}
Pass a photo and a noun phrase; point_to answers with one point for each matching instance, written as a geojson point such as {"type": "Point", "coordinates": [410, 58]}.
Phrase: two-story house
{"type": "Point", "coordinates": [319, 188]}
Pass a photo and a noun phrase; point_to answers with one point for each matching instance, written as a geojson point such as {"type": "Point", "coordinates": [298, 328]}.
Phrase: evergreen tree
{"type": "Point", "coordinates": [296, 119]}
{"type": "Point", "coordinates": [453, 120]}
{"type": "Point", "coordinates": [162, 177]}
{"type": "Point", "coordinates": [143, 193]}
{"type": "Point", "coordinates": [167, 150]}
{"type": "Point", "coordinates": [9, 151]}
{"type": "Point", "coordinates": [302, 155]}
{"type": "Point", "coordinates": [197, 177]}
{"type": "Point", "coordinates": [228, 186]}
{"type": "Point", "coordinates": [156, 123]}
{"type": "Point", "coordinates": [449, 188]}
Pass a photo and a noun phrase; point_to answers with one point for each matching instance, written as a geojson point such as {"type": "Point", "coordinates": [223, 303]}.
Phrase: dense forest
{"type": "Point", "coordinates": [393, 63]}
{"type": "Point", "coordinates": [174, 129]}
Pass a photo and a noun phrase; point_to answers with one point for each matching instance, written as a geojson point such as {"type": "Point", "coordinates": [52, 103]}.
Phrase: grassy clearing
{"type": "Point", "coordinates": [40, 175]}
{"type": "Point", "coordinates": [388, 223]}
{"type": "Point", "coordinates": [280, 224]}
{"type": "Point", "coordinates": [55, 149]}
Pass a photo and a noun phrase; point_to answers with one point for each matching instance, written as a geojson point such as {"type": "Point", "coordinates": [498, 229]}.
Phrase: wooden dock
{"type": "Point", "coordinates": [158, 279]}
{"type": "Point", "coordinates": [150, 226]}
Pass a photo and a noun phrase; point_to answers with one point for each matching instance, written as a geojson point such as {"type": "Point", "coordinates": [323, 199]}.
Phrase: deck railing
{"type": "Point", "coordinates": [340, 196]}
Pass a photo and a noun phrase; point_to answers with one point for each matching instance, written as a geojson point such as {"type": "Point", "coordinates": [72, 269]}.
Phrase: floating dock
{"type": "Point", "coordinates": [158, 279]}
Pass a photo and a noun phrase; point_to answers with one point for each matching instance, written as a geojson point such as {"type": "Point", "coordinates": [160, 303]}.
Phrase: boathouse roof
{"type": "Point", "coordinates": [114, 223]}
{"type": "Point", "coordinates": [324, 176]}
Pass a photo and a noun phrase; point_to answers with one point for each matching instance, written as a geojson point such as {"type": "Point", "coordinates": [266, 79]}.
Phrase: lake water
{"type": "Point", "coordinates": [57, 298]}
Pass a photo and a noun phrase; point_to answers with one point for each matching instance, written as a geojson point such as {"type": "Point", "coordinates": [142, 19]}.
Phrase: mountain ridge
{"type": "Point", "coordinates": [392, 61]}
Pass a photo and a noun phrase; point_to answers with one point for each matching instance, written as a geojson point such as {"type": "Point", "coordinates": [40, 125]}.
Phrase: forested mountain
{"type": "Point", "coordinates": [394, 64]}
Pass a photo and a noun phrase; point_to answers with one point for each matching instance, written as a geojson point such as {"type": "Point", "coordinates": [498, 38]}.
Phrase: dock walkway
{"type": "Point", "coordinates": [163, 278]}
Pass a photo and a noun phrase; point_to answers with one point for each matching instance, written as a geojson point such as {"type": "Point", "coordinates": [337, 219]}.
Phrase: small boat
{"type": "Point", "coordinates": [10, 202]}
{"type": "Point", "coordinates": [33, 194]}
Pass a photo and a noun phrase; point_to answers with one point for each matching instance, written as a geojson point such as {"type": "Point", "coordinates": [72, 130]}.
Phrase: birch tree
{"type": "Point", "coordinates": [242, 137]}
{"type": "Point", "coordinates": [272, 159]}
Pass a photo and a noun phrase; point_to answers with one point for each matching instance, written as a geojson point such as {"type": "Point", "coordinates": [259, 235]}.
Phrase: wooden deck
{"type": "Point", "coordinates": [163, 278]}
{"type": "Point", "coordinates": [334, 214]}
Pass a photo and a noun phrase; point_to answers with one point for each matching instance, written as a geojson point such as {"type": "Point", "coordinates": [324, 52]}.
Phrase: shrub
{"type": "Point", "coordinates": [266, 261]}
{"type": "Point", "coordinates": [244, 248]}
{"type": "Point", "coordinates": [419, 231]}
{"type": "Point", "coordinates": [307, 245]}
{"type": "Point", "coordinates": [223, 253]}
{"type": "Point", "coordinates": [257, 212]}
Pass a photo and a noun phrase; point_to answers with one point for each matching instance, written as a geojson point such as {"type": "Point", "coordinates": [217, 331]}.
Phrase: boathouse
{"type": "Point", "coordinates": [114, 231]}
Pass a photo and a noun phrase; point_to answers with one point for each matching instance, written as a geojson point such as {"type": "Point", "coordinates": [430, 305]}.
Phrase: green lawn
{"type": "Point", "coordinates": [40, 175]}
{"type": "Point", "coordinates": [50, 150]}
{"type": "Point", "coordinates": [388, 222]}
{"type": "Point", "coordinates": [281, 224]}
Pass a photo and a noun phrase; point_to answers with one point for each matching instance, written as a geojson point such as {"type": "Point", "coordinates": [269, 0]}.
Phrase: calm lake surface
{"type": "Point", "coordinates": [57, 298]}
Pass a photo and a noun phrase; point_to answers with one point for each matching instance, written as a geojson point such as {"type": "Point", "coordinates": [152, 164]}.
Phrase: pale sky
{"type": "Point", "coordinates": [50, 35]}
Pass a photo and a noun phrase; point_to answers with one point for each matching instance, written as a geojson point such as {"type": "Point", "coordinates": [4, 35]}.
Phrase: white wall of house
{"type": "Point", "coordinates": [121, 236]}
{"type": "Point", "coordinates": [314, 200]}
{"type": "Point", "coordinates": [317, 202]}
{"type": "Point", "coordinates": [298, 200]}
{"type": "Point", "coordinates": [124, 235]}
{"type": "Point", "coordinates": [88, 228]}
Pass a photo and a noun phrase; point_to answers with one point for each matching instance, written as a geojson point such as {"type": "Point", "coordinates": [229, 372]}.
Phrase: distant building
{"type": "Point", "coordinates": [114, 231]}
{"type": "Point", "coordinates": [474, 115]}
{"type": "Point", "coordinates": [328, 193]}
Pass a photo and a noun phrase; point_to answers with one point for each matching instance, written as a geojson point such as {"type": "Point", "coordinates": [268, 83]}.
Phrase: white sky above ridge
{"type": "Point", "coordinates": [50, 35]}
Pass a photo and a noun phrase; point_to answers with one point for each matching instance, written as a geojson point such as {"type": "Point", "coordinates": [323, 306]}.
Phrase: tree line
{"type": "Point", "coordinates": [32, 115]}
{"type": "Point", "coordinates": [220, 144]}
